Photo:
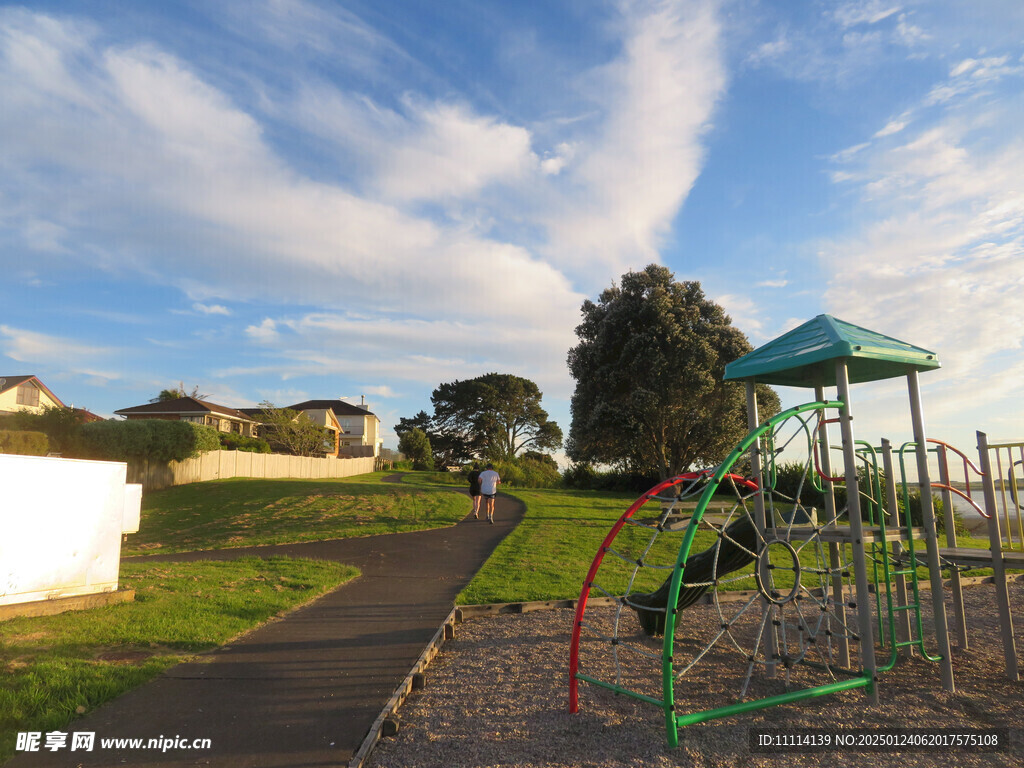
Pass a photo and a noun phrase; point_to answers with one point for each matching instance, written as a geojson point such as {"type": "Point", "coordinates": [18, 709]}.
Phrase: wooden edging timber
{"type": "Point", "coordinates": [386, 723]}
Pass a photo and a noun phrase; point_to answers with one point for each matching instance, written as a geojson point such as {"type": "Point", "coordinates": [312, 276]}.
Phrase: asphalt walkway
{"type": "Point", "coordinates": [303, 690]}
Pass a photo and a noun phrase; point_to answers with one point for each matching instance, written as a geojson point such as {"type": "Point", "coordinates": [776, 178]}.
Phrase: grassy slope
{"type": "Point", "coordinates": [547, 556]}
{"type": "Point", "coordinates": [242, 512]}
{"type": "Point", "coordinates": [55, 666]}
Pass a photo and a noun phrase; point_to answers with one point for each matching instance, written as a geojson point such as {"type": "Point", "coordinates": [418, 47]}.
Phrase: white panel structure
{"type": "Point", "coordinates": [61, 522]}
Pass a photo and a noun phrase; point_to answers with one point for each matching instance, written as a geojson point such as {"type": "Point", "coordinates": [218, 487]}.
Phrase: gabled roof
{"type": "Point", "coordinates": [182, 405]}
{"type": "Point", "coordinates": [805, 356]}
{"type": "Point", "coordinates": [10, 382]}
{"type": "Point", "coordinates": [340, 407]}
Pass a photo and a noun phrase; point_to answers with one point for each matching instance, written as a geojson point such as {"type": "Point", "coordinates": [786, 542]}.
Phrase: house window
{"type": "Point", "coordinates": [28, 394]}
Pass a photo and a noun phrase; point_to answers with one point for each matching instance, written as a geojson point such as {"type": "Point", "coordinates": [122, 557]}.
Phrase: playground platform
{"type": "Point", "coordinates": [303, 690]}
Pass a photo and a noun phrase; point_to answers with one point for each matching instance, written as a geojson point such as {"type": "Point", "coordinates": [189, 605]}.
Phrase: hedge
{"type": "Point", "coordinates": [232, 441]}
{"type": "Point", "coordinates": [152, 439]}
{"type": "Point", "coordinates": [24, 443]}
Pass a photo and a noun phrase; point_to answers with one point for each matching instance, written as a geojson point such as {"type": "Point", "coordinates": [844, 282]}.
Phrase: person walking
{"type": "Point", "coordinates": [489, 480]}
{"type": "Point", "coordinates": [474, 489]}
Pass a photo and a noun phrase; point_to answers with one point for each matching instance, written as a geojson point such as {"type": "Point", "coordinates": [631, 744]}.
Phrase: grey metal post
{"type": "Point", "coordinates": [931, 539]}
{"type": "Point", "coordinates": [950, 521]}
{"type": "Point", "coordinates": [834, 553]}
{"type": "Point", "coordinates": [867, 637]}
{"type": "Point", "coordinates": [903, 621]}
{"type": "Point", "coordinates": [760, 516]}
{"type": "Point", "coordinates": [995, 540]}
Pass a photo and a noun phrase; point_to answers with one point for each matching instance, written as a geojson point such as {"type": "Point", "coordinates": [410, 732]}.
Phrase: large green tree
{"type": "Point", "coordinates": [648, 369]}
{"type": "Point", "coordinates": [494, 416]}
{"type": "Point", "coordinates": [416, 446]}
{"type": "Point", "coordinates": [293, 432]}
{"type": "Point", "coordinates": [448, 449]}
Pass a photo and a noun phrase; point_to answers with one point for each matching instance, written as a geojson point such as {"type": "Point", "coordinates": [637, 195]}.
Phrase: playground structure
{"type": "Point", "coordinates": [810, 558]}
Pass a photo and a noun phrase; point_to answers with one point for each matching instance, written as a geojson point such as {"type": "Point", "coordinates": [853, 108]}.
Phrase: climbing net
{"type": "Point", "coordinates": [749, 582]}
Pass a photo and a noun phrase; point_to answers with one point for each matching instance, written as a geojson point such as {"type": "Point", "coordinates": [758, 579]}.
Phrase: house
{"type": "Point", "coordinates": [196, 411]}
{"type": "Point", "coordinates": [356, 428]}
{"type": "Point", "coordinates": [25, 393]}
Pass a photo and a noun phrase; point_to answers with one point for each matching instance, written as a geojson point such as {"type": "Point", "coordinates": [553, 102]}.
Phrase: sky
{"type": "Point", "coordinates": [287, 199]}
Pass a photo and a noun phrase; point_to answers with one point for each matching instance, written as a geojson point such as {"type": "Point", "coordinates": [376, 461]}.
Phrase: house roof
{"type": "Point", "coordinates": [182, 405]}
{"type": "Point", "coordinates": [340, 407]}
{"type": "Point", "coordinates": [805, 356]}
{"type": "Point", "coordinates": [10, 382]}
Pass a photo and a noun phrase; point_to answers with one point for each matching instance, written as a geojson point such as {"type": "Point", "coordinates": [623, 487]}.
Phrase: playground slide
{"type": "Point", "coordinates": [739, 540]}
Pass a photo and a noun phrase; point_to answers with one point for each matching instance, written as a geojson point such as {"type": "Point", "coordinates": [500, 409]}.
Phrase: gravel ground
{"type": "Point", "coordinates": [497, 696]}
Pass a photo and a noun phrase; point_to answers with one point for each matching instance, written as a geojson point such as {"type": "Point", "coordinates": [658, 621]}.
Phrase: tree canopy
{"type": "Point", "coordinates": [495, 416]}
{"type": "Point", "coordinates": [416, 446]}
{"type": "Point", "coordinates": [178, 392]}
{"type": "Point", "coordinates": [290, 431]}
{"type": "Point", "coordinates": [648, 370]}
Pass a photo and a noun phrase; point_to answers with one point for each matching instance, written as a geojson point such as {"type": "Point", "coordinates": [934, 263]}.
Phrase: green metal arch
{"type": "Point", "coordinates": [672, 719]}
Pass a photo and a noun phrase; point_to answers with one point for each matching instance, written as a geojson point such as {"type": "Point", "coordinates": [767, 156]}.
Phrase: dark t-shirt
{"type": "Point", "coordinates": [474, 482]}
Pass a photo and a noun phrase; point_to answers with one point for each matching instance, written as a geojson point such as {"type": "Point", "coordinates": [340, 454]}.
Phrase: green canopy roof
{"type": "Point", "coordinates": [805, 356]}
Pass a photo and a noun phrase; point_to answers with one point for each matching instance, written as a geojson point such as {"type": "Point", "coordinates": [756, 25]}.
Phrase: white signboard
{"type": "Point", "coordinates": [61, 522]}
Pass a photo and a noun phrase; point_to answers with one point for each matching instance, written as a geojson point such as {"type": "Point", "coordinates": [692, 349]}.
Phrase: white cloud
{"type": "Point", "coordinates": [380, 391]}
{"type": "Point", "coordinates": [893, 126]}
{"type": "Point", "coordinates": [201, 182]}
{"type": "Point", "coordinates": [939, 258]}
{"type": "Point", "coordinates": [211, 309]}
{"type": "Point", "coordinates": [453, 153]}
{"type": "Point", "coordinates": [416, 350]}
{"type": "Point", "coordinates": [266, 331]}
{"type": "Point", "coordinates": [48, 352]}
{"type": "Point", "coordinates": [864, 12]}
{"type": "Point", "coordinates": [625, 185]}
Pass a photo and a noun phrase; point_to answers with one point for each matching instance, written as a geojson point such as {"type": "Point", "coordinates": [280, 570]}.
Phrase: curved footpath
{"type": "Point", "coordinates": [303, 690]}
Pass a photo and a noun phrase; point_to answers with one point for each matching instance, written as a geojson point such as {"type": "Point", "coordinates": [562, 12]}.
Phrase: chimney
{"type": "Point", "coordinates": [362, 402]}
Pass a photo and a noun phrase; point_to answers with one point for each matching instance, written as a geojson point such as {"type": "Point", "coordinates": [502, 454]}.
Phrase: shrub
{"type": "Point", "coordinates": [582, 476]}
{"type": "Point", "coordinates": [232, 441]}
{"type": "Point", "coordinates": [790, 481]}
{"type": "Point", "coordinates": [24, 443]}
{"type": "Point", "coordinates": [60, 425]}
{"type": "Point", "coordinates": [528, 472]}
{"type": "Point", "coordinates": [152, 439]}
{"type": "Point", "coordinates": [585, 477]}
{"type": "Point", "coordinates": [916, 516]}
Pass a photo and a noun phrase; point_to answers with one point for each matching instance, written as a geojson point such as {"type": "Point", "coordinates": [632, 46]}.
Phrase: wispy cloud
{"type": "Point", "coordinates": [940, 252]}
{"type": "Point", "coordinates": [626, 183]}
{"type": "Point", "coordinates": [211, 309]}
{"type": "Point", "coordinates": [47, 352]}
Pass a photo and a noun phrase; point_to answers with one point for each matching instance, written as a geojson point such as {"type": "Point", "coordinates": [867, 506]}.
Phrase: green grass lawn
{"type": "Point", "coordinates": [549, 553]}
{"type": "Point", "coordinates": [55, 667]}
{"type": "Point", "coordinates": [244, 512]}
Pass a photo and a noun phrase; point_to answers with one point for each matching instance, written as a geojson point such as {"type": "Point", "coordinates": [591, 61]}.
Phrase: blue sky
{"type": "Point", "coordinates": [288, 200]}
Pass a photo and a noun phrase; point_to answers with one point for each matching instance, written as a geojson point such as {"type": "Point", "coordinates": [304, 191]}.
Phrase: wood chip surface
{"type": "Point", "coordinates": [497, 695]}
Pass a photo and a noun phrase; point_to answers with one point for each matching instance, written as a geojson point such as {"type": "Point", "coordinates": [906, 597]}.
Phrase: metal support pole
{"type": "Point", "coordinates": [954, 577]}
{"type": "Point", "coordinates": [931, 539]}
{"type": "Point", "coordinates": [995, 540]}
{"type": "Point", "coordinates": [867, 637]}
{"type": "Point", "coordinates": [760, 515]}
{"type": "Point", "coordinates": [835, 562]}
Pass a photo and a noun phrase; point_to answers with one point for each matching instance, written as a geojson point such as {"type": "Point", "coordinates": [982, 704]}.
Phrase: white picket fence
{"type": "Point", "coordinates": [220, 465]}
